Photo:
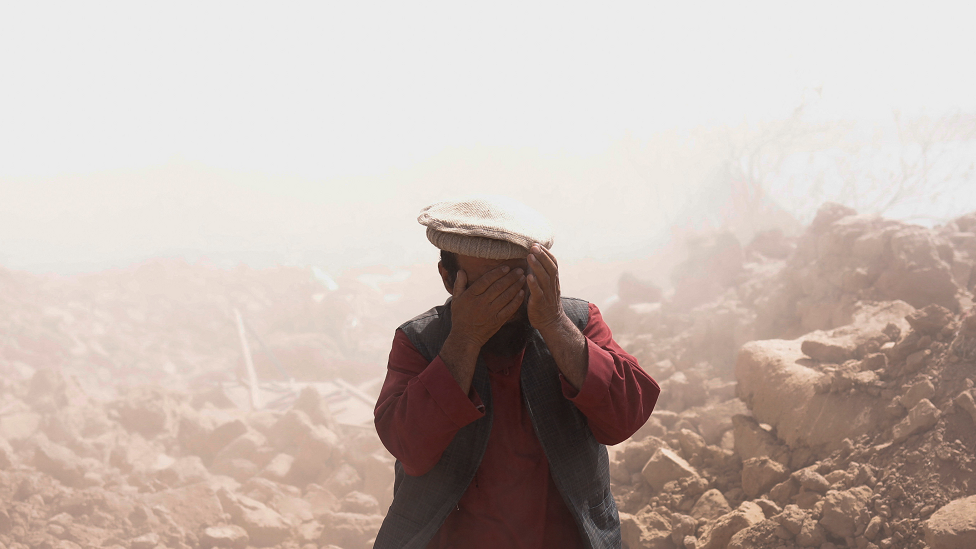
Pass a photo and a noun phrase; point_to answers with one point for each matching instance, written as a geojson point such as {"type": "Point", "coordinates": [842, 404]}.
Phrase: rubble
{"type": "Point", "coordinates": [819, 391]}
{"type": "Point", "coordinates": [855, 361]}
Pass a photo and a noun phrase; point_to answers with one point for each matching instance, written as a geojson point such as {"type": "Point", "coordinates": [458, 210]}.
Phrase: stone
{"type": "Point", "coordinates": [229, 536]}
{"type": "Point", "coordinates": [145, 410]}
{"type": "Point", "coordinates": [967, 403]}
{"type": "Point", "coordinates": [183, 471]}
{"type": "Point", "coordinates": [751, 440]}
{"type": "Point", "coordinates": [823, 349]}
{"type": "Point", "coordinates": [841, 510]}
{"type": "Point", "coordinates": [918, 391]}
{"type": "Point", "coordinates": [809, 479]}
{"type": "Point", "coordinates": [278, 468]}
{"type": "Point", "coordinates": [635, 455]}
{"type": "Point", "coordinates": [930, 319]}
{"type": "Point", "coordinates": [780, 389]}
{"type": "Point", "coordinates": [691, 443]}
{"type": "Point", "coordinates": [953, 526]}
{"type": "Point", "coordinates": [343, 480]}
{"type": "Point", "coordinates": [811, 534]}
{"type": "Point", "coordinates": [920, 418]}
{"type": "Point", "coordinates": [792, 518]}
{"type": "Point", "coordinates": [322, 500]}
{"type": "Point", "coordinates": [710, 505]}
{"type": "Point", "coordinates": [682, 526]}
{"type": "Point", "coordinates": [58, 461]}
{"type": "Point", "coordinates": [315, 407]}
{"type": "Point", "coordinates": [665, 466]}
{"type": "Point", "coordinates": [190, 507]}
{"type": "Point", "coordinates": [358, 502]}
{"type": "Point", "coordinates": [145, 541]}
{"type": "Point", "coordinates": [717, 533]}
{"type": "Point", "coordinates": [783, 492]}
{"type": "Point", "coordinates": [264, 526]}
{"type": "Point", "coordinates": [349, 529]}
{"type": "Point", "coordinates": [760, 474]}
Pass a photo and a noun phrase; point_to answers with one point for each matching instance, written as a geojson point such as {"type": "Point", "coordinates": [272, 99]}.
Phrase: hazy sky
{"type": "Point", "coordinates": [360, 102]}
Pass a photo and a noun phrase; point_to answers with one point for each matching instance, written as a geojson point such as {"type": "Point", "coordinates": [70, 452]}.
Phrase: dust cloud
{"type": "Point", "coordinates": [204, 258]}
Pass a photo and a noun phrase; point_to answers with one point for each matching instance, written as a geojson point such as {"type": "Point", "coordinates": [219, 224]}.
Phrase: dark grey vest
{"type": "Point", "coordinates": [578, 463]}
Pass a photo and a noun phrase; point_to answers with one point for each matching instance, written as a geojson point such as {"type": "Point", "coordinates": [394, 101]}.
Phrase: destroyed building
{"type": "Point", "coordinates": [817, 391]}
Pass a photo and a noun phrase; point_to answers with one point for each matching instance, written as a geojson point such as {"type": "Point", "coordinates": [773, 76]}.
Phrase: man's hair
{"type": "Point", "coordinates": [450, 262]}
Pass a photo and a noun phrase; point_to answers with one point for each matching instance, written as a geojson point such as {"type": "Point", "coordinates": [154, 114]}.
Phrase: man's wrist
{"type": "Point", "coordinates": [558, 328]}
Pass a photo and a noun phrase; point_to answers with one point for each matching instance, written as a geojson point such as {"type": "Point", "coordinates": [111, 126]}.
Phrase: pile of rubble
{"type": "Point", "coordinates": [159, 469]}
{"type": "Point", "coordinates": [854, 428]}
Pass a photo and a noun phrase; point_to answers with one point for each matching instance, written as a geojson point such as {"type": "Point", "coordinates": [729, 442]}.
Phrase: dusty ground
{"type": "Point", "coordinates": [818, 391]}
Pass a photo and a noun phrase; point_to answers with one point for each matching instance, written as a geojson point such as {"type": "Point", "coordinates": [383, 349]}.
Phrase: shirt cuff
{"type": "Point", "coordinates": [596, 384]}
{"type": "Point", "coordinates": [444, 390]}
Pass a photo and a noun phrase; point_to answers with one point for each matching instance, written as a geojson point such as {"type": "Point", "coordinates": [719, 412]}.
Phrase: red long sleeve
{"type": "Point", "coordinates": [512, 501]}
{"type": "Point", "coordinates": [617, 396]}
{"type": "Point", "coordinates": [421, 407]}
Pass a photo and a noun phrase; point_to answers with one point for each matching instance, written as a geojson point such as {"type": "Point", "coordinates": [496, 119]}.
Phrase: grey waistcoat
{"type": "Point", "coordinates": [577, 462]}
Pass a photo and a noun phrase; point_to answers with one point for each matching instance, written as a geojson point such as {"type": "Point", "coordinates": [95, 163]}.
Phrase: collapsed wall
{"type": "Point", "coordinates": [855, 428]}
{"type": "Point", "coordinates": [817, 392]}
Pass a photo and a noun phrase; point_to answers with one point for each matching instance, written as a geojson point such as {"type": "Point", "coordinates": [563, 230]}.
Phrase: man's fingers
{"type": "Point", "coordinates": [545, 259]}
{"type": "Point", "coordinates": [535, 289]}
{"type": "Point", "coordinates": [513, 305]}
{"type": "Point", "coordinates": [488, 279]}
{"type": "Point", "coordinates": [511, 279]}
{"type": "Point", "coordinates": [460, 283]}
{"type": "Point", "coordinates": [509, 291]}
{"type": "Point", "coordinates": [539, 271]}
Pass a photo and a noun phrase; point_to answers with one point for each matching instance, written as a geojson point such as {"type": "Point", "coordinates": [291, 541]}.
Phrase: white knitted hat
{"type": "Point", "coordinates": [490, 227]}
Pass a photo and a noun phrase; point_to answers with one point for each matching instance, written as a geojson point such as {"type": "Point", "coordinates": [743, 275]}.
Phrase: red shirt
{"type": "Point", "coordinates": [512, 501]}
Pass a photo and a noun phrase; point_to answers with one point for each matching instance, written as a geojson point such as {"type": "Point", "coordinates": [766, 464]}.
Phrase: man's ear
{"type": "Point", "coordinates": [446, 277]}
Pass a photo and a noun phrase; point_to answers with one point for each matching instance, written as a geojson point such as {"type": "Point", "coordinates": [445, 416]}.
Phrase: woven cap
{"type": "Point", "coordinates": [490, 227]}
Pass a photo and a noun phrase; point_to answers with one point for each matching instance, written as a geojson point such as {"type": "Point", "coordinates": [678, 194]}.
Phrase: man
{"type": "Point", "coordinates": [498, 404]}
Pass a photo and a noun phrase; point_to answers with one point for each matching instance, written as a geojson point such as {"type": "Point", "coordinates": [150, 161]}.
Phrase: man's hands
{"type": "Point", "coordinates": [545, 307]}
{"type": "Point", "coordinates": [566, 343]}
{"type": "Point", "coordinates": [479, 311]}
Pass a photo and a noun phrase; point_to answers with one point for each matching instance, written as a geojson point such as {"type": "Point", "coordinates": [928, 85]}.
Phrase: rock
{"type": "Point", "coordinates": [229, 536]}
{"type": "Point", "coordinates": [145, 541]}
{"type": "Point", "coordinates": [665, 466]}
{"type": "Point", "coordinates": [59, 462]}
{"type": "Point", "coordinates": [145, 410]}
{"type": "Point", "coordinates": [6, 454]}
{"type": "Point", "coordinates": [310, 402]}
{"type": "Point", "coordinates": [922, 389]}
{"type": "Point", "coordinates": [349, 529]}
{"type": "Point", "coordinates": [321, 499]}
{"type": "Point", "coordinates": [873, 528]}
{"type": "Point", "coordinates": [953, 526]}
{"type": "Point", "coordinates": [811, 534]}
{"type": "Point", "coordinates": [711, 505]}
{"type": "Point", "coordinates": [190, 507]}
{"type": "Point", "coordinates": [966, 401]}
{"type": "Point", "coordinates": [278, 468]}
{"type": "Point", "coordinates": [717, 533]}
{"type": "Point", "coordinates": [691, 443]}
{"type": "Point", "coordinates": [264, 526]}
{"type": "Point", "coordinates": [635, 455]}
{"type": "Point", "coordinates": [761, 474]}
{"type": "Point", "coordinates": [343, 480]}
{"type": "Point", "coordinates": [827, 350]}
{"type": "Point", "coordinates": [842, 509]}
{"type": "Point", "coordinates": [757, 535]}
{"type": "Point", "coordinates": [751, 441]}
{"type": "Point", "coordinates": [781, 391]}
{"type": "Point", "coordinates": [920, 418]}
{"type": "Point", "coordinates": [183, 471]}
{"type": "Point", "coordinates": [682, 526]}
{"type": "Point", "coordinates": [783, 492]}
{"type": "Point", "coordinates": [791, 518]}
{"type": "Point", "coordinates": [811, 480]}
{"type": "Point", "coordinates": [358, 502]}
{"type": "Point", "coordinates": [252, 446]}
{"type": "Point", "coordinates": [930, 319]}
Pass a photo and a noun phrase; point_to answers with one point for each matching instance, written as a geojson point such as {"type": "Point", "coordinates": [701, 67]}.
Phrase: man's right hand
{"type": "Point", "coordinates": [477, 312]}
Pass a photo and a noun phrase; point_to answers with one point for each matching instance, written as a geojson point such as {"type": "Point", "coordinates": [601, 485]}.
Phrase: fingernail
{"type": "Point", "coordinates": [519, 270]}
{"type": "Point", "coordinates": [504, 268]}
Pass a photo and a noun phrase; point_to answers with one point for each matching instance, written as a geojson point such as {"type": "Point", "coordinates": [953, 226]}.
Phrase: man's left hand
{"type": "Point", "coordinates": [545, 308]}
